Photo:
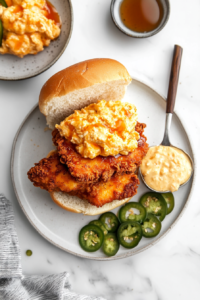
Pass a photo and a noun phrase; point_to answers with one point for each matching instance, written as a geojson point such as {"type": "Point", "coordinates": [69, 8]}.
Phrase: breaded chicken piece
{"type": "Point", "coordinates": [51, 175]}
{"type": "Point", "coordinates": [117, 188]}
{"type": "Point", "coordinates": [100, 168]}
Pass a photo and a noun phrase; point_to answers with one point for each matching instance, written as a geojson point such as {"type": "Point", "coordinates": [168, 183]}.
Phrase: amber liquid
{"type": "Point", "coordinates": [52, 13]}
{"type": "Point", "coordinates": [141, 15]}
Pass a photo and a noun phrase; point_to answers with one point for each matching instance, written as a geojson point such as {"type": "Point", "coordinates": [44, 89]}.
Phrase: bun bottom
{"type": "Point", "coordinates": [77, 205]}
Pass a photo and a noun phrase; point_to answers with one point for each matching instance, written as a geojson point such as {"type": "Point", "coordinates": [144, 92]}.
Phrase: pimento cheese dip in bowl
{"type": "Point", "coordinates": [166, 168]}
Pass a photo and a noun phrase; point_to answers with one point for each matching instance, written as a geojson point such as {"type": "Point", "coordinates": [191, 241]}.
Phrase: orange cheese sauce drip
{"type": "Point", "coordinates": [9, 2]}
{"type": "Point", "coordinates": [18, 9]}
{"type": "Point", "coordinates": [52, 14]}
{"type": "Point", "coordinates": [102, 128]}
{"type": "Point", "coordinates": [19, 42]}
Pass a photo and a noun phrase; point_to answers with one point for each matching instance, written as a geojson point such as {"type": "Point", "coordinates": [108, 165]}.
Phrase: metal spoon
{"type": "Point", "coordinates": [171, 98]}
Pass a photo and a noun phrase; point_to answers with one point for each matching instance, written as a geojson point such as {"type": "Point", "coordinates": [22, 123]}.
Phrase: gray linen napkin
{"type": "Point", "coordinates": [15, 286]}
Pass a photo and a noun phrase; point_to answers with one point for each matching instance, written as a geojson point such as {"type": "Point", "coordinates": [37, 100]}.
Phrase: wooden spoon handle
{"type": "Point", "coordinates": [174, 76]}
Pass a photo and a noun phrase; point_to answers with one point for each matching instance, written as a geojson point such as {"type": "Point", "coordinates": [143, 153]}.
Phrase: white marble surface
{"type": "Point", "coordinates": [170, 269]}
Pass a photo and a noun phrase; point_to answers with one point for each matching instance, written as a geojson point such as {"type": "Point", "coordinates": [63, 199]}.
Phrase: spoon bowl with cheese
{"type": "Point", "coordinates": [166, 167]}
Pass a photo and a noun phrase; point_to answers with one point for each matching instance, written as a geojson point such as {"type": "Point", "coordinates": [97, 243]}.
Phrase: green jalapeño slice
{"type": "Point", "coordinates": [110, 221]}
{"type": "Point", "coordinates": [1, 33]}
{"type": "Point", "coordinates": [127, 212]}
{"type": "Point", "coordinates": [169, 198]}
{"type": "Point", "coordinates": [3, 3]}
{"type": "Point", "coordinates": [129, 234]}
{"type": "Point", "coordinates": [151, 226]}
{"type": "Point", "coordinates": [110, 244]}
{"type": "Point", "coordinates": [91, 238]}
{"type": "Point", "coordinates": [99, 224]}
{"type": "Point", "coordinates": [155, 204]}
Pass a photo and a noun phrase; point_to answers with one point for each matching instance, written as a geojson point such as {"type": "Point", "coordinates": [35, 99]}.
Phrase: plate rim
{"type": "Point", "coordinates": [55, 59]}
{"type": "Point", "coordinates": [124, 255]}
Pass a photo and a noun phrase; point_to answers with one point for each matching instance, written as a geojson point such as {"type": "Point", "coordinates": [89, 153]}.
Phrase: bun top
{"type": "Point", "coordinates": [80, 85]}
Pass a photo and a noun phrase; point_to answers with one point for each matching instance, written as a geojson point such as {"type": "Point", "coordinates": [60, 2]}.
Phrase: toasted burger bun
{"type": "Point", "coordinates": [80, 85]}
{"type": "Point", "coordinates": [77, 205]}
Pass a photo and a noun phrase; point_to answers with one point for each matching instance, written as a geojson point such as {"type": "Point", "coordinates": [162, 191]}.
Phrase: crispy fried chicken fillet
{"type": "Point", "coordinates": [100, 168]}
{"type": "Point", "coordinates": [117, 188]}
{"type": "Point", "coordinates": [51, 175]}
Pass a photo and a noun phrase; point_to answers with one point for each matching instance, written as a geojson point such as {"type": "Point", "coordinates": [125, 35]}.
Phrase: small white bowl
{"type": "Point", "coordinates": [115, 14]}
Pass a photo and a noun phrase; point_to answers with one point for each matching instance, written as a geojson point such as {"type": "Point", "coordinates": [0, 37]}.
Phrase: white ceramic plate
{"type": "Point", "coordinates": [15, 68]}
{"type": "Point", "coordinates": [61, 227]}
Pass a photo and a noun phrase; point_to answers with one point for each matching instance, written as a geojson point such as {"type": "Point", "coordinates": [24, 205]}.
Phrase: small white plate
{"type": "Point", "coordinates": [15, 68]}
{"type": "Point", "coordinates": [61, 227]}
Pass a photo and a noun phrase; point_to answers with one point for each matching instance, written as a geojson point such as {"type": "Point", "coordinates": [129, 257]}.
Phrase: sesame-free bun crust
{"type": "Point", "coordinates": [80, 85]}
{"type": "Point", "coordinates": [77, 205]}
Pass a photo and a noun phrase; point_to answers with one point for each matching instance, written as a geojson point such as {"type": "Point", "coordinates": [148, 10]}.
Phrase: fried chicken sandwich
{"type": "Point", "coordinates": [99, 141]}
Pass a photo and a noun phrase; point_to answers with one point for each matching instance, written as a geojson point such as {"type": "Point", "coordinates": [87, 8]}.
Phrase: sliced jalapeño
{"type": "Point", "coordinates": [1, 33]}
{"type": "Point", "coordinates": [127, 212]}
{"type": "Point", "coordinates": [110, 244]}
{"type": "Point", "coordinates": [155, 204]}
{"type": "Point", "coordinates": [151, 226]}
{"type": "Point", "coordinates": [110, 221]}
{"type": "Point", "coordinates": [3, 3]}
{"type": "Point", "coordinates": [99, 224]}
{"type": "Point", "coordinates": [169, 198]}
{"type": "Point", "coordinates": [129, 234]}
{"type": "Point", "coordinates": [91, 238]}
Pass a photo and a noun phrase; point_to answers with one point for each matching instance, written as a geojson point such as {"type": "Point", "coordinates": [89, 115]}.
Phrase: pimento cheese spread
{"type": "Point", "coordinates": [165, 168]}
{"type": "Point", "coordinates": [27, 27]}
{"type": "Point", "coordinates": [103, 128]}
